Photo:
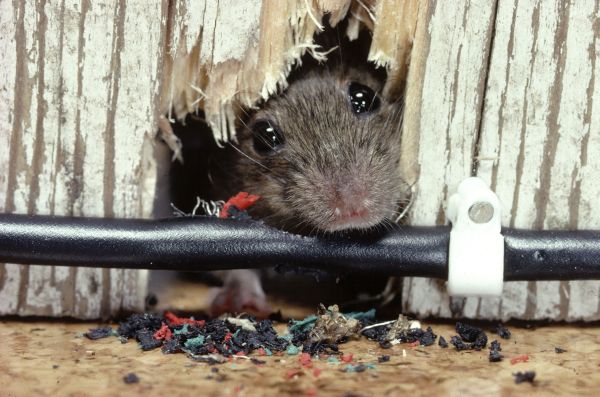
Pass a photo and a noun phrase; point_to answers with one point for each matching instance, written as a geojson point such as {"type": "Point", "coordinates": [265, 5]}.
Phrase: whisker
{"type": "Point", "coordinates": [248, 157]}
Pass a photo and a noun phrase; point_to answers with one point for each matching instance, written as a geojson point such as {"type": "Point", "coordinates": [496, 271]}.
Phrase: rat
{"type": "Point", "coordinates": [324, 158]}
{"type": "Point", "coordinates": [323, 155]}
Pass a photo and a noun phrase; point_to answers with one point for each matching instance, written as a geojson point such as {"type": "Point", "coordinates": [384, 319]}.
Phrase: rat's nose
{"type": "Point", "coordinates": [350, 202]}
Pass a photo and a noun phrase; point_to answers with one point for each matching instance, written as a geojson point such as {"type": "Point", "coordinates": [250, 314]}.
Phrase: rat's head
{"type": "Point", "coordinates": [324, 155]}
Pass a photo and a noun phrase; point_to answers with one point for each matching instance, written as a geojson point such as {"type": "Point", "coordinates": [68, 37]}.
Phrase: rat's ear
{"type": "Point", "coordinates": [364, 75]}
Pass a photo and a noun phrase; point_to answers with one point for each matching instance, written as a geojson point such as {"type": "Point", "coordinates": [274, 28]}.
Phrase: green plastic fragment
{"type": "Point", "coordinates": [357, 367]}
{"type": "Point", "coordinates": [368, 315]}
{"type": "Point", "coordinates": [292, 350]}
{"type": "Point", "coordinates": [333, 360]}
{"type": "Point", "coordinates": [183, 330]}
{"type": "Point", "coordinates": [303, 325]}
{"type": "Point", "coordinates": [268, 352]}
{"type": "Point", "coordinates": [194, 342]}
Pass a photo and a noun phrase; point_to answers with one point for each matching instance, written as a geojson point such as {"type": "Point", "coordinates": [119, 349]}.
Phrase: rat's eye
{"type": "Point", "coordinates": [267, 138]}
{"type": "Point", "coordinates": [362, 98]}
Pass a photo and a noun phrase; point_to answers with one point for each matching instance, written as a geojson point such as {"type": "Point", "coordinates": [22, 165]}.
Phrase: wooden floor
{"type": "Point", "coordinates": [51, 358]}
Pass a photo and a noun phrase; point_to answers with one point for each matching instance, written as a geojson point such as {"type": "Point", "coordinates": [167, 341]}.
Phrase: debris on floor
{"type": "Point", "coordinates": [495, 349]}
{"type": "Point", "coordinates": [131, 378]}
{"type": "Point", "coordinates": [502, 331]}
{"type": "Point", "coordinates": [442, 342]}
{"type": "Point", "coordinates": [469, 337]}
{"type": "Point", "coordinates": [98, 333]}
{"type": "Point", "coordinates": [527, 376]}
{"type": "Point", "coordinates": [523, 358]}
{"type": "Point", "coordinates": [332, 326]}
{"type": "Point", "coordinates": [317, 337]}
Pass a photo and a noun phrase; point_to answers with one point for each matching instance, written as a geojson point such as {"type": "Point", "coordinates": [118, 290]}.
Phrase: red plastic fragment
{"type": "Point", "coordinates": [292, 372]}
{"type": "Point", "coordinates": [317, 372]}
{"type": "Point", "coordinates": [311, 392]}
{"type": "Point", "coordinates": [163, 333]}
{"type": "Point", "coordinates": [228, 337]}
{"type": "Point", "coordinates": [305, 360]}
{"type": "Point", "coordinates": [240, 354]}
{"type": "Point", "coordinates": [241, 201]}
{"type": "Point", "coordinates": [174, 320]}
{"type": "Point", "coordinates": [414, 344]}
{"type": "Point", "coordinates": [347, 358]}
{"type": "Point", "coordinates": [523, 358]}
{"type": "Point", "coordinates": [261, 351]}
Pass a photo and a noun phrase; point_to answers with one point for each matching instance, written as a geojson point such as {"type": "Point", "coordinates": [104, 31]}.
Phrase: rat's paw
{"type": "Point", "coordinates": [241, 292]}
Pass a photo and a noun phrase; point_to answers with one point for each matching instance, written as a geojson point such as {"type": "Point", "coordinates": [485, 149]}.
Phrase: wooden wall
{"type": "Point", "coordinates": [503, 89]}
{"type": "Point", "coordinates": [82, 86]}
{"type": "Point", "coordinates": [79, 93]}
{"type": "Point", "coordinates": [516, 103]}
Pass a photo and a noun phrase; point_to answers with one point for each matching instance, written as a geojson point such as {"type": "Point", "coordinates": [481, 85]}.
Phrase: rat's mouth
{"type": "Point", "coordinates": [358, 219]}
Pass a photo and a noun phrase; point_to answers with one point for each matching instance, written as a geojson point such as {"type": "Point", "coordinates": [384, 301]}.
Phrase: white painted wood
{"type": "Point", "coordinates": [81, 89]}
{"type": "Point", "coordinates": [537, 136]}
{"type": "Point", "coordinates": [442, 117]}
{"type": "Point", "coordinates": [9, 274]}
{"type": "Point", "coordinates": [242, 54]}
{"type": "Point", "coordinates": [541, 128]}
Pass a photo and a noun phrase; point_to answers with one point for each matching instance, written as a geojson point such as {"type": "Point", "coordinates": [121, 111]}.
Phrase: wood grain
{"type": "Point", "coordinates": [229, 55]}
{"type": "Point", "coordinates": [533, 148]}
{"type": "Point", "coordinates": [503, 90]}
{"type": "Point", "coordinates": [442, 119]}
{"type": "Point", "coordinates": [80, 90]}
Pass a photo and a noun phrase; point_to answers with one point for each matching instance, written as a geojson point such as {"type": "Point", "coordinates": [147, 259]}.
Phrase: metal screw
{"type": "Point", "coordinates": [481, 212]}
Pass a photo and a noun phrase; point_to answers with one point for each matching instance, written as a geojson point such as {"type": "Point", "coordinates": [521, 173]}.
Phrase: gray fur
{"type": "Point", "coordinates": [328, 149]}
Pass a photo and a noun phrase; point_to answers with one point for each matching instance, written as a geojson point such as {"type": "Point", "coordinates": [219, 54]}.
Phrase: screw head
{"type": "Point", "coordinates": [481, 212]}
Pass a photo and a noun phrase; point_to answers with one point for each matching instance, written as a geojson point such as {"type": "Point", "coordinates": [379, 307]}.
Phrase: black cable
{"type": "Point", "coordinates": [551, 254]}
{"type": "Point", "coordinates": [200, 244]}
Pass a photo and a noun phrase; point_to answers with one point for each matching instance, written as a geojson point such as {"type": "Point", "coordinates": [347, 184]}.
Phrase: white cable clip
{"type": "Point", "coordinates": [476, 255]}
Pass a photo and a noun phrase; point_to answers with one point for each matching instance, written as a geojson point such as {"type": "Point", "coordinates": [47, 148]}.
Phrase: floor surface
{"type": "Point", "coordinates": [51, 358]}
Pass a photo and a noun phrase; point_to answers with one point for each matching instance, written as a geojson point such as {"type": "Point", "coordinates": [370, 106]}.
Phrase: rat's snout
{"type": "Point", "coordinates": [349, 201]}
{"type": "Point", "coordinates": [349, 205]}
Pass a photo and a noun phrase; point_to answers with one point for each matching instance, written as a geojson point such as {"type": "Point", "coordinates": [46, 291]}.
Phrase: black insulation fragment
{"type": "Point", "coordinates": [495, 356]}
{"type": "Point", "coordinates": [442, 342]}
{"type": "Point", "coordinates": [131, 378]}
{"type": "Point", "coordinates": [527, 376]}
{"type": "Point", "coordinates": [383, 358]}
{"type": "Point", "coordinates": [99, 333]}
{"type": "Point", "coordinates": [470, 337]}
{"type": "Point", "coordinates": [502, 331]}
{"type": "Point", "coordinates": [559, 350]}
{"type": "Point", "coordinates": [495, 349]}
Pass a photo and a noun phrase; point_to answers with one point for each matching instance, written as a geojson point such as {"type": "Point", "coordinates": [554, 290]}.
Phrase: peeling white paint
{"type": "Point", "coordinates": [540, 133]}
{"type": "Point", "coordinates": [7, 84]}
{"type": "Point", "coordinates": [242, 18]}
{"type": "Point", "coordinates": [83, 138]}
{"type": "Point", "coordinates": [447, 116]}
